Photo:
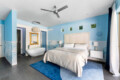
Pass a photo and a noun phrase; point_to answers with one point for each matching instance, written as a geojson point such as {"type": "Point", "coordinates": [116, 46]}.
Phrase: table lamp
{"type": "Point", "coordinates": [60, 43]}
{"type": "Point", "coordinates": [95, 44]}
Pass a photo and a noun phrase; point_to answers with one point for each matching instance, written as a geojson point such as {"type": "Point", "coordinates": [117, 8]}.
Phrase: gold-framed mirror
{"type": "Point", "coordinates": [34, 38]}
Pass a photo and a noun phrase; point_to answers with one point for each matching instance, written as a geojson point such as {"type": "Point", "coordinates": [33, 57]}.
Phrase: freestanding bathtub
{"type": "Point", "coordinates": [36, 52]}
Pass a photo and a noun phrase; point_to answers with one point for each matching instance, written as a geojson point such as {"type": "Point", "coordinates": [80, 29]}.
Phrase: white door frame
{"type": "Point", "coordinates": [2, 40]}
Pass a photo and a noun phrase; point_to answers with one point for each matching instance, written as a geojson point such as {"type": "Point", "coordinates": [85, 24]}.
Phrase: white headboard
{"type": "Point", "coordinates": [83, 37]}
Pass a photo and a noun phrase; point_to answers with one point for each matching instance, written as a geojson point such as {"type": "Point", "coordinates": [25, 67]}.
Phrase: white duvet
{"type": "Point", "coordinates": [72, 59]}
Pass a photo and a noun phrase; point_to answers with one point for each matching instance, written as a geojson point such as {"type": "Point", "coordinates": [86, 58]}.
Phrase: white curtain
{"type": "Point", "coordinates": [114, 49]}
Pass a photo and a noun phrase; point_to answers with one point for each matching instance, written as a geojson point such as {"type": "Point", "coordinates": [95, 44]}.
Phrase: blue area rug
{"type": "Point", "coordinates": [91, 71]}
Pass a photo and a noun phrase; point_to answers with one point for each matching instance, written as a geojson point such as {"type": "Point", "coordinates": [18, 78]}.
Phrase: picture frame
{"type": "Point", "coordinates": [93, 25]}
{"type": "Point", "coordinates": [80, 27]}
{"type": "Point", "coordinates": [71, 29]}
{"type": "Point", "coordinates": [34, 38]}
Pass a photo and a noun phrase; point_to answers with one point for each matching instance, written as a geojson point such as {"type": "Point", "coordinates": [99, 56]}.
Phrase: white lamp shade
{"type": "Point", "coordinates": [95, 43]}
{"type": "Point", "coordinates": [35, 29]}
{"type": "Point", "coordinates": [60, 42]}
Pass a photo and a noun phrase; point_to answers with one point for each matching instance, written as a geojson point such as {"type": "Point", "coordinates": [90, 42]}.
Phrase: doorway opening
{"type": "Point", "coordinates": [21, 41]}
{"type": "Point", "coordinates": [18, 42]}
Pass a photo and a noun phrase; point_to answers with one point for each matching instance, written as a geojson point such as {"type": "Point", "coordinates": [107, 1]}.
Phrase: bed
{"type": "Point", "coordinates": [70, 58]}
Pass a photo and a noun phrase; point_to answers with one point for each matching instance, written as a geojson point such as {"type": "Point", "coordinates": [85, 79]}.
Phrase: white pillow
{"type": "Point", "coordinates": [68, 45]}
{"type": "Point", "coordinates": [81, 46]}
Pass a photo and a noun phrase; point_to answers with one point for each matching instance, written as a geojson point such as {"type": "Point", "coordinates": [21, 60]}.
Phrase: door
{"type": "Point", "coordinates": [44, 39]}
{"type": "Point", "coordinates": [0, 41]}
{"type": "Point", "coordinates": [18, 42]}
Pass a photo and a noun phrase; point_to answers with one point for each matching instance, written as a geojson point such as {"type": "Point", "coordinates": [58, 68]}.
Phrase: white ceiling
{"type": "Point", "coordinates": [29, 10]}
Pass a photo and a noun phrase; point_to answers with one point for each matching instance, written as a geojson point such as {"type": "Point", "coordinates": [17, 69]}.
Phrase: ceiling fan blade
{"type": "Point", "coordinates": [64, 7]}
{"type": "Point", "coordinates": [46, 10]}
{"type": "Point", "coordinates": [57, 15]}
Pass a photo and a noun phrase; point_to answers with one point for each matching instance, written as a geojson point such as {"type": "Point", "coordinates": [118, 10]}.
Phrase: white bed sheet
{"type": "Point", "coordinates": [72, 59]}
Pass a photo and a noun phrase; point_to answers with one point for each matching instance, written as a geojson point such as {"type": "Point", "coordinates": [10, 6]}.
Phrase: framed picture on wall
{"type": "Point", "coordinates": [62, 30]}
{"type": "Point", "coordinates": [34, 38]}
{"type": "Point", "coordinates": [80, 27]}
{"type": "Point", "coordinates": [71, 29]}
{"type": "Point", "coordinates": [93, 25]}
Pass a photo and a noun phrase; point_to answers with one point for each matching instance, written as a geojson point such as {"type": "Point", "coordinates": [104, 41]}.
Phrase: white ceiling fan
{"type": "Point", "coordinates": [56, 11]}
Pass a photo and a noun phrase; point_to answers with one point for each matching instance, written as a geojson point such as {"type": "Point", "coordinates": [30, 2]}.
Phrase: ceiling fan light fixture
{"type": "Point", "coordinates": [35, 22]}
{"type": "Point", "coordinates": [35, 29]}
{"type": "Point", "coordinates": [54, 6]}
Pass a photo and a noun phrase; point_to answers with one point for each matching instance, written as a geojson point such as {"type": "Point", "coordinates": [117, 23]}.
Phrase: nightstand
{"type": "Point", "coordinates": [96, 55]}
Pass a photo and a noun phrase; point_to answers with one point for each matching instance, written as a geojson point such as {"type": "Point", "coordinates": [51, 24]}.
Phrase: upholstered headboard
{"type": "Point", "coordinates": [83, 37]}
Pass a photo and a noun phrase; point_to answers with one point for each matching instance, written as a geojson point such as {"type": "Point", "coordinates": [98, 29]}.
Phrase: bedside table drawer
{"type": "Point", "coordinates": [96, 54]}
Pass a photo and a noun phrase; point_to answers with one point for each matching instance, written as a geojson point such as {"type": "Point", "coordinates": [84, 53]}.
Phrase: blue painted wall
{"type": "Point", "coordinates": [8, 27]}
{"type": "Point", "coordinates": [2, 22]}
{"type": "Point", "coordinates": [10, 24]}
{"type": "Point", "coordinates": [14, 25]}
{"type": "Point", "coordinates": [101, 22]}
